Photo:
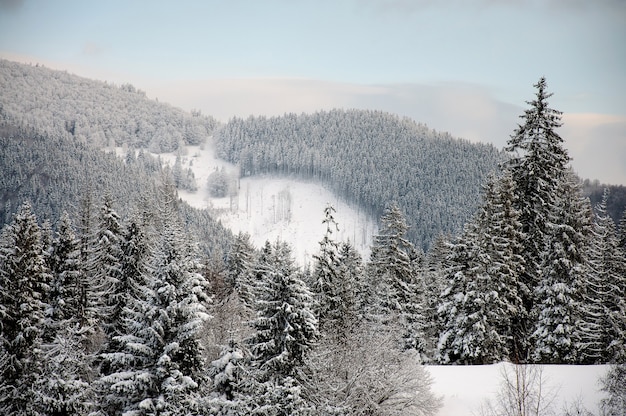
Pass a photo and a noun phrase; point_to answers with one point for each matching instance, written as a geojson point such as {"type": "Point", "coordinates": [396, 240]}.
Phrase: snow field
{"type": "Point", "coordinates": [270, 208]}
{"type": "Point", "coordinates": [466, 388]}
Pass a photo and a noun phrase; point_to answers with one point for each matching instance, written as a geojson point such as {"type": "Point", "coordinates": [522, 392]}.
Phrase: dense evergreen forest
{"type": "Point", "coordinates": [117, 298]}
{"type": "Point", "coordinates": [370, 158]}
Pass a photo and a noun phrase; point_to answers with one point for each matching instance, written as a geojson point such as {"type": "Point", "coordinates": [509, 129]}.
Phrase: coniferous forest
{"type": "Point", "coordinates": [117, 298]}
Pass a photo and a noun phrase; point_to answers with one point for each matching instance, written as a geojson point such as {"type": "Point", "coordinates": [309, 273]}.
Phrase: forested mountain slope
{"type": "Point", "coordinates": [371, 158]}
{"type": "Point", "coordinates": [57, 173]}
{"type": "Point", "coordinates": [94, 111]}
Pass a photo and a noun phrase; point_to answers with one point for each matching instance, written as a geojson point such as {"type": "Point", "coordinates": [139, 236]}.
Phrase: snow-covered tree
{"type": "Point", "coordinates": [558, 301]}
{"type": "Point", "coordinates": [24, 289]}
{"type": "Point", "coordinates": [394, 278]}
{"type": "Point", "coordinates": [332, 283]}
{"type": "Point", "coordinates": [68, 285]}
{"type": "Point", "coordinates": [285, 324]}
{"type": "Point", "coordinates": [239, 263]}
{"type": "Point", "coordinates": [614, 383]}
{"type": "Point", "coordinates": [604, 290]}
{"type": "Point", "coordinates": [63, 387]}
{"type": "Point", "coordinates": [159, 365]}
{"type": "Point", "coordinates": [481, 306]}
{"type": "Point", "coordinates": [105, 266]}
{"type": "Point", "coordinates": [538, 165]}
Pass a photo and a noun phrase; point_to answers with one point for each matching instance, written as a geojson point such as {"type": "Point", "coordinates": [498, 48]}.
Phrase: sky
{"type": "Point", "coordinates": [463, 66]}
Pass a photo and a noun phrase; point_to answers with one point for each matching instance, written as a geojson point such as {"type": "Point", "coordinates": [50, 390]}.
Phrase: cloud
{"type": "Point", "coordinates": [597, 145]}
{"type": "Point", "coordinates": [596, 142]}
{"type": "Point", "coordinates": [463, 110]}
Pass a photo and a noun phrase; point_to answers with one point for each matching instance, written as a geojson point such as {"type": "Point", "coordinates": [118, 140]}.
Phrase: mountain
{"type": "Point", "coordinates": [370, 158]}
{"type": "Point", "coordinates": [367, 158]}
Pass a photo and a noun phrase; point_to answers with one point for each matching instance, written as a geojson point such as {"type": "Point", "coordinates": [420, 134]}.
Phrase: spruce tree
{"type": "Point", "coordinates": [326, 280]}
{"type": "Point", "coordinates": [24, 290]}
{"type": "Point", "coordinates": [558, 295]}
{"type": "Point", "coordinates": [604, 289]}
{"type": "Point", "coordinates": [239, 263]}
{"type": "Point", "coordinates": [285, 331]}
{"type": "Point", "coordinates": [285, 325]}
{"type": "Point", "coordinates": [105, 267]}
{"type": "Point", "coordinates": [159, 367]}
{"type": "Point", "coordinates": [68, 278]}
{"type": "Point", "coordinates": [482, 305]}
{"type": "Point", "coordinates": [394, 278]}
{"type": "Point", "coordinates": [538, 165]}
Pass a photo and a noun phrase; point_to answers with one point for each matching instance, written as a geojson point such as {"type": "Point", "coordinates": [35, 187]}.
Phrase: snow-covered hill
{"type": "Point", "coordinates": [270, 208]}
{"type": "Point", "coordinates": [292, 210]}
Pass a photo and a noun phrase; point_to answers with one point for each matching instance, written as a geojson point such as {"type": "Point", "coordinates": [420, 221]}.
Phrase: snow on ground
{"type": "Point", "coordinates": [466, 388]}
{"type": "Point", "coordinates": [270, 208]}
{"type": "Point", "coordinates": [292, 210]}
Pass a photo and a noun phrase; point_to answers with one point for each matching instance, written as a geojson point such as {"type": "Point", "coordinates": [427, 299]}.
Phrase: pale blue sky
{"type": "Point", "coordinates": [464, 66]}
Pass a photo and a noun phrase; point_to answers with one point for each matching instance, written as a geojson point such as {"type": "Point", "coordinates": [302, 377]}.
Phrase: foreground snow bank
{"type": "Point", "coordinates": [466, 388]}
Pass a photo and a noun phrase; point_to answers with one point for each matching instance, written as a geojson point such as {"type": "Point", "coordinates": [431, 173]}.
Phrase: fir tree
{"type": "Point", "coordinates": [68, 284]}
{"type": "Point", "coordinates": [105, 267]}
{"type": "Point", "coordinates": [538, 166]}
{"type": "Point", "coordinates": [64, 387]}
{"type": "Point", "coordinates": [332, 293]}
{"type": "Point", "coordinates": [285, 331]}
{"type": "Point", "coordinates": [394, 278]}
{"type": "Point", "coordinates": [285, 325]}
{"type": "Point", "coordinates": [558, 295]}
{"type": "Point", "coordinates": [159, 365]}
{"type": "Point", "coordinates": [24, 289]}
{"type": "Point", "coordinates": [604, 289]}
{"type": "Point", "coordinates": [239, 264]}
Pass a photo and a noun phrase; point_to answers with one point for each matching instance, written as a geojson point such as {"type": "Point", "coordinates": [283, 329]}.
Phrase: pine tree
{"type": "Point", "coordinates": [24, 289]}
{"type": "Point", "coordinates": [558, 297]}
{"type": "Point", "coordinates": [394, 279]}
{"type": "Point", "coordinates": [286, 327]}
{"type": "Point", "coordinates": [604, 290]}
{"type": "Point", "coordinates": [332, 284]}
{"type": "Point", "coordinates": [159, 366]}
{"type": "Point", "coordinates": [538, 166]}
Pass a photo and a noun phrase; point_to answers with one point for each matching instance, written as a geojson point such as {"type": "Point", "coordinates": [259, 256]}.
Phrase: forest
{"type": "Point", "coordinates": [118, 298]}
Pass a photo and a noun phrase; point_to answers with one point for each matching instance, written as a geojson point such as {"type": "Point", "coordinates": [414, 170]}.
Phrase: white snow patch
{"type": "Point", "coordinates": [466, 388]}
{"type": "Point", "coordinates": [270, 208]}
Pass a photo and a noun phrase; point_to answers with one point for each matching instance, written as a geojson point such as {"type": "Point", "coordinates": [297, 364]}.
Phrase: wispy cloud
{"type": "Point", "coordinates": [596, 142]}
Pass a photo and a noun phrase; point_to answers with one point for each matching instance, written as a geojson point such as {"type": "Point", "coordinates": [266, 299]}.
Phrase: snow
{"type": "Point", "coordinates": [466, 388]}
{"type": "Point", "coordinates": [292, 210]}
{"type": "Point", "coordinates": [270, 208]}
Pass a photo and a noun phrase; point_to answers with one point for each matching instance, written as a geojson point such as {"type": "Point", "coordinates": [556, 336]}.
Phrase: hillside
{"type": "Point", "coordinates": [369, 158]}
{"type": "Point", "coordinates": [102, 114]}
{"type": "Point", "coordinates": [59, 173]}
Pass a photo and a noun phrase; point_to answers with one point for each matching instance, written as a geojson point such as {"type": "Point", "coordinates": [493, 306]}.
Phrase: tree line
{"type": "Point", "coordinates": [368, 158]}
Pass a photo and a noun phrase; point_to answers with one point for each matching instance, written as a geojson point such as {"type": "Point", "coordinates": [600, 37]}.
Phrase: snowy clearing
{"type": "Point", "coordinates": [270, 208]}
{"type": "Point", "coordinates": [465, 388]}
